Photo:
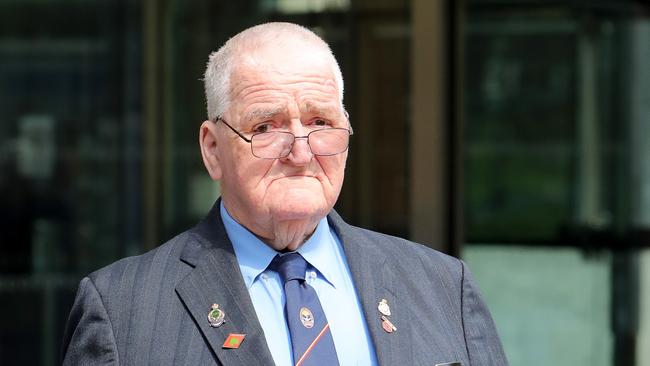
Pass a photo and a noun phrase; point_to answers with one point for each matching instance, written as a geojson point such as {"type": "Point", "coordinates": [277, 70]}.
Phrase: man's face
{"type": "Point", "coordinates": [299, 97]}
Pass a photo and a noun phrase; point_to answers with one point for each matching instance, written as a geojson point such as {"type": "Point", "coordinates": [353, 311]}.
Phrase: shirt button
{"type": "Point", "coordinates": [264, 276]}
{"type": "Point", "coordinates": [312, 274]}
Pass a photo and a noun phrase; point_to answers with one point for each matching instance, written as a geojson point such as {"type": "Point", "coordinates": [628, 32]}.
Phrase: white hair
{"type": "Point", "coordinates": [239, 48]}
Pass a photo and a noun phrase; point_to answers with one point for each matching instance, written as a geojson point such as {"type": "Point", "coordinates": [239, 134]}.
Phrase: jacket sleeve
{"type": "Point", "coordinates": [89, 337]}
{"type": "Point", "coordinates": [483, 344]}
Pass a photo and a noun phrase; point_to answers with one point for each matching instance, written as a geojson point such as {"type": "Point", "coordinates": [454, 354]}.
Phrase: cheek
{"type": "Point", "coordinates": [251, 173]}
{"type": "Point", "coordinates": [333, 166]}
{"type": "Point", "coordinates": [242, 171]}
{"type": "Point", "coordinates": [334, 170]}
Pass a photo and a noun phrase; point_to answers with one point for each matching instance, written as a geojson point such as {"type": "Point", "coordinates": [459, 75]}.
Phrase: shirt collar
{"type": "Point", "coordinates": [322, 251]}
{"type": "Point", "coordinates": [252, 254]}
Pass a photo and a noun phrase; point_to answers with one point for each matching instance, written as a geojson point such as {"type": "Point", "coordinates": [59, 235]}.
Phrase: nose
{"type": "Point", "coordinates": [300, 151]}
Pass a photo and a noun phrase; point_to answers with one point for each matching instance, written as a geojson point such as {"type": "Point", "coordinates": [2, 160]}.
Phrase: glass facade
{"type": "Point", "coordinates": [69, 99]}
{"type": "Point", "coordinates": [548, 103]}
{"type": "Point", "coordinates": [556, 176]}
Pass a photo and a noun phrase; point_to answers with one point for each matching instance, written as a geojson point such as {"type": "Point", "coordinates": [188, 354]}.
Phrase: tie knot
{"type": "Point", "coordinates": [290, 266]}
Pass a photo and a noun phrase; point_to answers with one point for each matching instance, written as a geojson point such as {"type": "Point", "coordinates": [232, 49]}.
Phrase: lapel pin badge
{"type": "Point", "coordinates": [306, 317]}
{"type": "Point", "coordinates": [387, 325]}
{"type": "Point", "coordinates": [383, 307]}
{"type": "Point", "coordinates": [233, 341]}
{"type": "Point", "coordinates": [216, 316]}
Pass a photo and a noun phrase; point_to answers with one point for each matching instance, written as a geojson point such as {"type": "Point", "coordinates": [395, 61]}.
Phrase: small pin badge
{"type": "Point", "coordinates": [387, 325]}
{"type": "Point", "coordinates": [233, 341]}
{"type": "Point", "coordinates": [216, 316]}
{"type": "Point", "coordinates": [306, 317]}
{"type": "Point", "coordinates": [383, 307]}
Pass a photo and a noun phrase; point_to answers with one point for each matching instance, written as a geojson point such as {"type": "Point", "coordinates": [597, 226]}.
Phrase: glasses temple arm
{"type": "Point", "coordinates": [232, 128]}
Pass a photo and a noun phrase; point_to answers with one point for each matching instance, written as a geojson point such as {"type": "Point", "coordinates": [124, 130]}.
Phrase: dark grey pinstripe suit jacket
{"type": "Point", "coordinates": [152, 309]}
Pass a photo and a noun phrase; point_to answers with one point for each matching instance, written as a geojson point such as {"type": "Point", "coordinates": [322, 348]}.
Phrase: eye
{"type": "Point", "coordinates": [263, 127]}
{"type": "Point", "coordinates": [321, 122]}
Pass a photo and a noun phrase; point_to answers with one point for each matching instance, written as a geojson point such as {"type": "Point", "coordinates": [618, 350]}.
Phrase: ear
{"type": "Point", "coordinates": [209, 149]}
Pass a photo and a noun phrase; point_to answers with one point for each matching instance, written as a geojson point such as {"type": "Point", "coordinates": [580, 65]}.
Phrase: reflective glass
{"type": "Point", "coordinates": [557, 200]}
{"type": "Point", "coordinates": [70, 159]}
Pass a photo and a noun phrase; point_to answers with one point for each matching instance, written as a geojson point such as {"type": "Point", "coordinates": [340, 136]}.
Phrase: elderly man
{"type": "Point", "coordinates": [273, 275]}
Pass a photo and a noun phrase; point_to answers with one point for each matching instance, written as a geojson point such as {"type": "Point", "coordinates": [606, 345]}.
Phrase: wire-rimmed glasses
{"type": "Point", "coordinates": [278, 144]}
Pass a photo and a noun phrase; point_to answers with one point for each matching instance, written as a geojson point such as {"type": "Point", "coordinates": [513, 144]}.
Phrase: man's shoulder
{"type": "Point", "coordinates": [400, 250]}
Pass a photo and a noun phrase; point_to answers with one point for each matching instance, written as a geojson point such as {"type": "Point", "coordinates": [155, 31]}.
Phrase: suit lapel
{"type": "Point", "coordinates": [375, 279]}
{"type": "Point", "coordinates": [216, 278]}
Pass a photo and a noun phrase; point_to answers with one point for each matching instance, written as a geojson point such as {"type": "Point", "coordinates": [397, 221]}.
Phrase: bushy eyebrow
{"type": "Point", "coordinates": [271, 112]}
{"type": "Point", "coordinates": [263, 113]}
{"type": "Point", "coordinates": [319, 109]}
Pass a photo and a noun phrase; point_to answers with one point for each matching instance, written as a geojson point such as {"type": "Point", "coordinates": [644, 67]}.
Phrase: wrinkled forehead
{"type": "Point", "coordinates": [292, 73]}
{"type": "Point", "coordinates": [262, 93]}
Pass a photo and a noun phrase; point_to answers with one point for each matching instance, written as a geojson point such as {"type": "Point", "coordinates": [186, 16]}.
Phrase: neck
{"type": "Point", "coordinates": [291, 235]}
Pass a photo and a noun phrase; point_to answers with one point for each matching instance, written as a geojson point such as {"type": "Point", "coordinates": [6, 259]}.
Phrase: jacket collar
{"type": "Point", "coordinates": [376, 279]}
{"type": "Point", "coordinates": [216, 278]}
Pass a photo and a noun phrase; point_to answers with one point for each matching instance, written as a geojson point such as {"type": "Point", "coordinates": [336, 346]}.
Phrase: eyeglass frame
{"type": "Point", "coordinates": [250, 140]}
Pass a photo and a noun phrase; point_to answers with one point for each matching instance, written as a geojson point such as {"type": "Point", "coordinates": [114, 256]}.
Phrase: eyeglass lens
{"type": "Point", "coordinates": [278, 144]}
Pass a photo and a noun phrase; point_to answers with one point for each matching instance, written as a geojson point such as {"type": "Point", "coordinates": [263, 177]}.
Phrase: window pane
{"type": "Point", "coordinates": [520, 90]}
{"type": "Point", "coordinates": [551, 305]}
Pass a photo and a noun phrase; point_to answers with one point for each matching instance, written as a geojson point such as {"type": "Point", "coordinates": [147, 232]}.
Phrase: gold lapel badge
{"type": "Point", "coordinates": [216, 316]}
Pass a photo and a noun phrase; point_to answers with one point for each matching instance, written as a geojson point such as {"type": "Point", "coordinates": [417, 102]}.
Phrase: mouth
{"type": "Point", "coordinates": [295, 177]}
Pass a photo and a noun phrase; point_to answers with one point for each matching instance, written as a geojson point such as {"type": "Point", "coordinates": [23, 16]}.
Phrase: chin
{"type": "Point", "coordinates": [299, 209]}
{"type": "Point", "coordinates": [297, 201]}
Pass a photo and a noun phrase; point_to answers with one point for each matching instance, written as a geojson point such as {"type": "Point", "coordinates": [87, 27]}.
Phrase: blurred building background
{"type": "Point", "coordinates": [512, 133]}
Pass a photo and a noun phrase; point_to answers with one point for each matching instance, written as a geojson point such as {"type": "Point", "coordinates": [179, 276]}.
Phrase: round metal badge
{"type": "Point", "coordinates": [216, 316]}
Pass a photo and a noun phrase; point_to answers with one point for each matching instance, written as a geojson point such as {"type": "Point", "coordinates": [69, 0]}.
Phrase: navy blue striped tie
{"type": "Point", "coordinates": [311, 338]}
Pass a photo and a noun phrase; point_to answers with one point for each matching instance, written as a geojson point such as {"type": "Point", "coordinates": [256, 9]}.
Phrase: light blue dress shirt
{"type": "Point", "coordinates": [327, 272]}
